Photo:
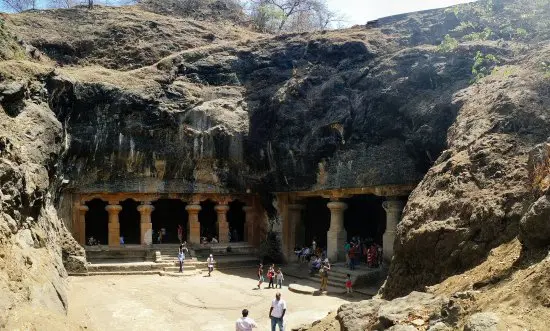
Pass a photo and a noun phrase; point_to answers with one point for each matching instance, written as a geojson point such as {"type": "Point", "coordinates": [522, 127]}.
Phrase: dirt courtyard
{"type": "Point", "coordinates": [152, 302]}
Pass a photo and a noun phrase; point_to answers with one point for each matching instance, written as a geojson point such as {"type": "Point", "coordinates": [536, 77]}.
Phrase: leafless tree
{"type": "Point", "coordinates": [20, 5]}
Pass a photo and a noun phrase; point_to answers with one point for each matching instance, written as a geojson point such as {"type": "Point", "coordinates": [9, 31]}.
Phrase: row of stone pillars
{"type": "Point", "coordinates": [337, 235]}
{"type": "Point", "coordinates": [146, 227]}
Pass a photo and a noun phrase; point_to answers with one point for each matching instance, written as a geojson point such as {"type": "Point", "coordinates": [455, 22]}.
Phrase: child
{"type": "Point", "coordinates": [348, 284]}
{"type": "Point", "coordinates": [271, 275]}
{"type": "Point", "coordinates": [280, 278]}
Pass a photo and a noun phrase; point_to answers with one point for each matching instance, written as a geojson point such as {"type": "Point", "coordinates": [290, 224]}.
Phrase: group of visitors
{"type": "Point", "coordinates": [360, 250]}
{"type": "Point", "coordinates": [306, 253]}
{"type": "Point", "coordinates": [275, 277]}
{"type": "Point", "coordinates": [277, 313]}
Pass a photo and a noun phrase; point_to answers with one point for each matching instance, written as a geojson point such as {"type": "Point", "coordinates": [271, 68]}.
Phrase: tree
{"type": "Point", "coordinates": [291, 15]}
{"type": "Point", "coordinates": [20, 5]}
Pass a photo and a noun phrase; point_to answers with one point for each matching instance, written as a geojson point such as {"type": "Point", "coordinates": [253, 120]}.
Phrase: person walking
{"type": "Point", "coordinates": [277, 312]}
{"type": "Point", "coordinates": [279, 277]}
{"type": "Point", "coordinates": [181, 256]}
{"type": "Point", "coordinates": [349, 289]}
{"type": "Point", "coordinates": [210, 262]}
{"type": "Point", "coordinates": [271, 276]}
{"type": "Point", "coordinates": [346, 252]}
{"type": "Point", "coordinates": [260, 275]}
{"type": "Point", "coordinates": [323, 272]}
{"type": "Point", "coordinates": [245, 323]}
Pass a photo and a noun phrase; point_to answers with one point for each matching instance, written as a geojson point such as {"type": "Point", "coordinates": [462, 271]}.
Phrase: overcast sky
{"type": "Point", "coordinates": [361, 11]}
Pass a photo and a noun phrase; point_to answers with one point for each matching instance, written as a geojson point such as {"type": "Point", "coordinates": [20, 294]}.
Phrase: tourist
{"type": "Point", "coordinates": [346, 251]}
{"type": "Point", "coordinates": [214, 240]}
{"type": "Point", "coordinates": [323, 272]}
{"type": "Point", "coordinates": [315, 265]}
{"type": "Point", "coordinates": [180, 233]}
{"type": "Point", "coordinates": [159, 237]}
{"type": "Point", "coordinates": [271, 276]}
{"type": "Point", "coordinates": [349, 289]}
{"type": "Point", "coordinates": [314, 245]}
{"type": "Point", "coordinates": [181, 256]}
{"type": "Point", "coordinates": [235, 235]}
{"type": "Point", "coordinates": [245, 323]}
{"type": "Point", "coordinates": [260, 275]}
{"type": "Point", "coordinates": [305, 254]}
{"type": "Point", "coordinates": [210, 262]}
{"type": "Point", "coordinates": [280, 277]}
{"type": "Point", "coordinates": [121, 240]}
{"type": "Point", "coordinates": [372, 257]}
{"type": "Point", "coordinates": [277, 312]}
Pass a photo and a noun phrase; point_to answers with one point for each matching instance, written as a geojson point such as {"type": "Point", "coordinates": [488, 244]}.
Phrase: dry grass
{"type": "Point", "coordinates": [22, 69]}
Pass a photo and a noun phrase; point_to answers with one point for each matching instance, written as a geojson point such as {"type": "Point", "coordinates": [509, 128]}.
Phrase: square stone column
{"type": "Point", "coordinates": [146, 227]}
{"type": "Point", "coordinates": [223, 226]}
{"type": "Point", "coordinates": [81, 227]}
{"type": "Point", "coordinates": [114, 225]}
{"type": "Point", "coordinates": [249, 224]}
{"type": "Point", "coordinates": [394, 209]}
{"type": "Point", "coordinates": [193, 225]}
{"type": "Point", "coordinates": [294, 219]}
{"type": "Point", "coordinates": [336, 235]}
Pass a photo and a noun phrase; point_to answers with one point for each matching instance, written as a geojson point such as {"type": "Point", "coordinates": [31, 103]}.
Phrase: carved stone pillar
{"type": "Point", "coordinates": [394, 209]}
{"type": "Point", "coordinates": [223, 226]}
{"type": "Point", "coordinates": [294, 219]}
{"type": "Point", "coordinates": [114, 225]}
{"type": "Point", "coordinates": [193, 225]}
{"type": "Point", "coordinates": [336, 235]}
{"type": "Point", "coordinates": [146, 227]}
{"type": "Point", "coordinates": [81, 226]}
{"type": "Point", "coordinates": [249, 224]}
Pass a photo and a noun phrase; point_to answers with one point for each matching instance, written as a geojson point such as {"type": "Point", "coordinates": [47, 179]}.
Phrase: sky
{"type": "Point", "coordinates": [361, 11]}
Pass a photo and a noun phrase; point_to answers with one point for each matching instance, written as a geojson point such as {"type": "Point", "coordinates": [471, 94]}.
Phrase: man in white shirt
{"type": "Point", "coordinates": [277, 312]}
{"type": "Point", "coordinates": [245, 323]}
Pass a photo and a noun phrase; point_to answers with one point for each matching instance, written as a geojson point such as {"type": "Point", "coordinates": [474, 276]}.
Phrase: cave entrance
{"type": "Point", "coordinates": [236, 218]}
{"type": "Point", "coordinates": [365, 218]}
{"type": "Point", "coordinates": [165, 218]}
{"type": "Point", "coordinates": [317, 221]}
{"type": "Point", "coordinates": [207, 219]}
{"type": "Point", "coordinates": [129, 219]}
{"type": "Point", "coordinates": [97, 221]}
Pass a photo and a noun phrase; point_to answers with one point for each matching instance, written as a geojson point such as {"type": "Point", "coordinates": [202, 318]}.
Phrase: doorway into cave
{"type": "Point", "coordinates": [97, 221]}
{"type": "Point", "coordinates": [316, 220]}
{"type": "Point", "coordinates": [365, 217]}
{"type": "Point", "coordinates": [167, 215]}
{"type": "Point", "coordinates": [236, 218]}
{"type": "Point", "coordinates": [129, 219]}
{"type": "Point", "coordinates": [207, 219]}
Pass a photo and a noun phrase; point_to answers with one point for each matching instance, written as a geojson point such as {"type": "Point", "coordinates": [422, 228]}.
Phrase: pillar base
{"type": "Point", "coordinates": [146, 234]}
{"type": "Point", "coordinates": [114, 235]}
{"type": "Point", "coordinates": [335, 245]}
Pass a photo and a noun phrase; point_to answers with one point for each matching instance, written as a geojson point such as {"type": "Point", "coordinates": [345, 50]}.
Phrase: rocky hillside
{"type": "Point", "coordinates": [125, 99]}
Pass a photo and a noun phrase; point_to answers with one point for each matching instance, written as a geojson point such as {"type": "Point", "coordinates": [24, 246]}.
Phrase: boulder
{"type": "Point", "coordinates": [482, 322]}
{"type": "Point", "coordinates": [535, 224]}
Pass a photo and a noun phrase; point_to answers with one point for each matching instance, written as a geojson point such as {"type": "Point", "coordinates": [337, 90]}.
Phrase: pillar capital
{"type": "Point", "coordinates": [337, 205]}
{"type": "Point", "coordinates": [393, 205]}
{"type": "Point", "coordinates": [113, 208]}
{"type": "Point", "coordinates": [193, 208]}
{"type": "Point", "coordinates": [221, 208]}
{"type": "Point", "coordinates": [83, 208]}
{"type": "Point", "coordinates": [145, 208]}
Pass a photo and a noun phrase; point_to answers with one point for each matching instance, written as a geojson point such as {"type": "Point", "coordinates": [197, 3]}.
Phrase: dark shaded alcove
{"type": "Point", "coordinates": [317, 221]}
{"type": "Point", "coordinates": [207, 219]}
{"type": "Point", "coordinates": [236, 218]}
{"type": "Point", "coordinates": [168, 214]}
{"type": "Point", "coordinates": [129, 219]}
{"type": "Point", "coordinates": [97, 220]}
{"type": "Point", "coordinates": [365, 217]}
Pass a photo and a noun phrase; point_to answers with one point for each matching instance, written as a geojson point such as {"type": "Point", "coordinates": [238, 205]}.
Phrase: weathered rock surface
{"type": "Point", "coordinates": [206, 109]}
{"type": "Point", "coordinates": [482, 322]}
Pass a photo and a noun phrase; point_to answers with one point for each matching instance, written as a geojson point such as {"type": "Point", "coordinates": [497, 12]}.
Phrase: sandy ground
{"type": "Point", "coordinates": [186, 303]}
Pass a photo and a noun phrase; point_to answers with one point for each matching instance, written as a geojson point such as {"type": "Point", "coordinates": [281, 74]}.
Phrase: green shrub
{"type": "Point", "coordinates": [483, 65]}
{"type": "Point", "coordinates": [448, 45]}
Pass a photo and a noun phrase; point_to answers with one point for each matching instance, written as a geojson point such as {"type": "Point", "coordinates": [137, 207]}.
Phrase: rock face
{"type": "Point", "coordinates": [453, 99]}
